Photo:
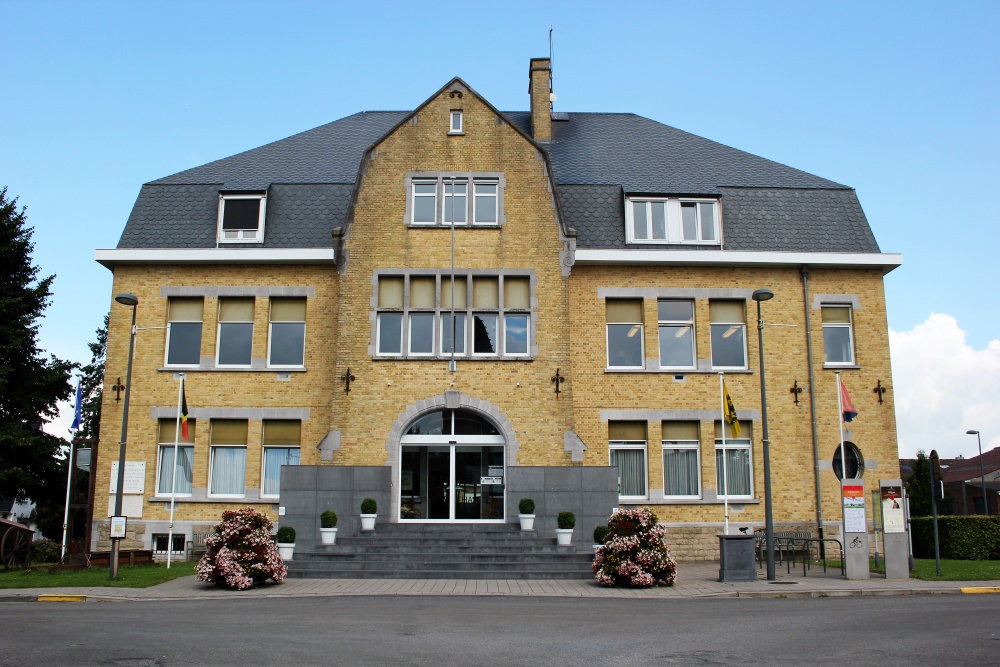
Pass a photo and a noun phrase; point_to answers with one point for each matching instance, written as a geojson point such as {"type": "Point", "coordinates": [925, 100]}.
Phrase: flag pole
{"type": "Point", "coordinates": [173, 472]}
{"type": "Point", "coordinates": [69, 465]}
{"type": "Point", "coordinates": [725, 472]}
{"type": "Point", "coordinates": [840, 422]}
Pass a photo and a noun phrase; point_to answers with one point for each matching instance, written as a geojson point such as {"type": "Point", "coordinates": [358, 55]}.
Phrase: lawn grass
{"type": "Point", "coordinates": [951, 570]}
{"type": "Point", "coordinates": [137, 576]}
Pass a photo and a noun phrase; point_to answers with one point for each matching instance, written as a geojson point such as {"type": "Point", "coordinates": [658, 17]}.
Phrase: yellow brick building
{"type": "Point", "coordinates": [455, 294]}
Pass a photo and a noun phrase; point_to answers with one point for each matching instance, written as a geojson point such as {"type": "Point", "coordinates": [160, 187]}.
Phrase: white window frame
{"type": "Point", "coordinates": [218, 337]}
{"type": "Point", "coordinates": [743, 327]}
{"type": "Point", "coordinates": [455, 122]}
{"type": "Point", "coordinates": [686, 445]}
{"type": "Point", "coordinates": [178, 537]}
{"type": "Point", "coordinates": [475, 201]}
{"type": "Point", "coordinates": [160, 471]}
{"type": "Point", "coordinates": [440, 313]}
{"type": "Point", "coordinates": [447, 199]}
{"type": "Point", "coordinates": [462, 332]}
{"type": "Point", "coordinates": [270, 337]}
{"type": "Point", "coordinates": [615, 445]}
{"type": "Point", "coordinates": [211, 471]}
{"type": "Point", "coordinates": [732, 445]}
{"type": "Point", "coordinates": [438, 179]}
{"type": "Point", "coordinates": [673, 221]}
{"type": "Point", "coordinates": [166, 351]}
{"type": "Point", "coordinates": [263, 466]}
{"type": "Point", "coordinates": [242, 234]}
{"type": "Point", "coordinates": [642, 341]}
{"type": "Point", "coordinates": [409, 332]}
{"type": "Point", "coordinates": [690, 324]}
{"type": "Point", "coordinates": [849, 325]}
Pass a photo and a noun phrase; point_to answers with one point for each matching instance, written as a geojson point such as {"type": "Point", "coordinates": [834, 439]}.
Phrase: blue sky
{"type": "Point", "coordinates": [896, 99]}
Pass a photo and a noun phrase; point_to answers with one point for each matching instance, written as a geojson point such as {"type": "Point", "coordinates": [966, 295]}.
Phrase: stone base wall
{"type": "Point", "coordinates": [699, 542]}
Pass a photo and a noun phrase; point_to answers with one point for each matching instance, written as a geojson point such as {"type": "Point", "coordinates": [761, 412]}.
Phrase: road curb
{"type": "Point", "coordinates": [64, 597]}
{"type": "Point", "coordinates": [973, 590]}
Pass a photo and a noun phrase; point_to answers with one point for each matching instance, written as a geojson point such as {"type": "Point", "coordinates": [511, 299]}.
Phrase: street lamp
{"type": "Point", "coordinates": [758, 296]}
{"type": "Point", "coordinates": [126, 299]}
{"type": "Point", "coordinates": [982, 473]}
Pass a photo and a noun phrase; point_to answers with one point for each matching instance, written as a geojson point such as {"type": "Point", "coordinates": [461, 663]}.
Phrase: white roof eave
{"type": "Point", "coordinates": [885, 261]}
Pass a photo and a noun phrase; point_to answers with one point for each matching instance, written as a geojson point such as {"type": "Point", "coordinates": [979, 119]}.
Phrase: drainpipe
{"type": "Point", "coordinates": [812, 406]}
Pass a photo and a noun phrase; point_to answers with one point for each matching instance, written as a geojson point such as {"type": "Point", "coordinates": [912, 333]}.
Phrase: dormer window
{"type": "Point", "coordinates": [241, 218]}
{"type": "Point", "coordinates": [669, 220]}
{"type": "Point", "coordinates": [456, 122]}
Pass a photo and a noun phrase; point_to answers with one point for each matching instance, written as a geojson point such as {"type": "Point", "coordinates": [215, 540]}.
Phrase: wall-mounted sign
{"type": "Point", "coordinates": [496, 471]}
{"type": "Point", "coordinates": [135, 477]}
{"type": "Point", "coordinates": [490, 480]}
{"type": "Point", "coordinates": [854, 496]}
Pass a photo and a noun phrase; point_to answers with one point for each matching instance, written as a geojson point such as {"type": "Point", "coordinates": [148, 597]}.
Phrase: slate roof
{"type": "Point", "coordinates": [596, 159]}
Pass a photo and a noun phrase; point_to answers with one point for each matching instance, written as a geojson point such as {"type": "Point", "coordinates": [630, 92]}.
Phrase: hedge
{"type": "Point", "coordinates": [960, 537]}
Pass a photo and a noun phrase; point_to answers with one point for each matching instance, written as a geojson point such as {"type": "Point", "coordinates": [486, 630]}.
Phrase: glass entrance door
{"type": "Point", "coordinates": [451, 483]}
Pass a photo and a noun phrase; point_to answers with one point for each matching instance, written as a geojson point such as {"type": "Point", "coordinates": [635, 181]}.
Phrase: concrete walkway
{"type": "Point", "coordinates": [694, 580]}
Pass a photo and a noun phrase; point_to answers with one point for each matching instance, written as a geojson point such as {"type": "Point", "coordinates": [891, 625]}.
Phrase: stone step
{"type": "Point", "coordinates": [573, 557]}
{"type": "Point", "coordinates": [334, 573]}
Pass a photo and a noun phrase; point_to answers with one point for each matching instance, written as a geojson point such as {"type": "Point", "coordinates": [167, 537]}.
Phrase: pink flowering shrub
{"type": "Point", "coordinates": [241, 552]}
{"type": "Point", "coordinates": [635, 553]}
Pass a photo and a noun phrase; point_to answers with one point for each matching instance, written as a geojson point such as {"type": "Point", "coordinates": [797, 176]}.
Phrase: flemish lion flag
{"type": "Point", "coordinates": [850, 412]}
{"type": "Point", "coordinates": [730, 411]}
{"type": "Point", "coordinates": [184, 414]}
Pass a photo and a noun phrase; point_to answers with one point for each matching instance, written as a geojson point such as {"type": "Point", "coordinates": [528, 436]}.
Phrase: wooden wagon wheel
{"type": "Point", "coordinates": [15, 548]}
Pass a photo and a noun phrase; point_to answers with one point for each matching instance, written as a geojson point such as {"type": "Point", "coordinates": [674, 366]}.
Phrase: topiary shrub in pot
{"type": "Point", "coordinates": [526, 513]}
{"type": "Point", "coordinates": [286, 542]}
{"type": "Point", "coordinates": [565, 523]}
{"type": "Point", "coordinates": [601, 535]}
{"type": "Point", "coordinates": [328, 527]}
{"type": "Point", "coordinates": [635, 552]}
{"type": "Point", "coordinates": [240, 552]}
{"type": "Point", "coordinates": [369, 512]}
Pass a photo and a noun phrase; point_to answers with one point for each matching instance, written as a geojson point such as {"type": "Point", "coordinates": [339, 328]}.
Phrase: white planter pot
{"type": "Point", "coordinates": [527, 521]}
{"type": "Point", "coordinates": [368, 521]}
{"type": "Point", "coordinates": [328, 535]}
{"type": "Point", "coordinates": [286, 549]}
{"type": "Point", "coordinates": [564, 536]}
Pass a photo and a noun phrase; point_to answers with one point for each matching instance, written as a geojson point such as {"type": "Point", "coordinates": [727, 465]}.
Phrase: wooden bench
{"type": "Point", "coordinates": [786, 543]}
{"type": "Point", "coordinates": [125, 557]}
{"type": "Point", "coordinates": [196, 545]}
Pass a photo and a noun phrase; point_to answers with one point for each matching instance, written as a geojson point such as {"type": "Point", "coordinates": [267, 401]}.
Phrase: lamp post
{"type": "Point", "coordinates": [126, 299]}
{"type": "Point", "coordinates": [758, 296]}
{"type": "Point", "coordinates": [982, 473]}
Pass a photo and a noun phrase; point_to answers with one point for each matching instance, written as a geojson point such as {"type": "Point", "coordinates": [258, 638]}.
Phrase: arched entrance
{"type": "Point", "coordinates": [451, 469]}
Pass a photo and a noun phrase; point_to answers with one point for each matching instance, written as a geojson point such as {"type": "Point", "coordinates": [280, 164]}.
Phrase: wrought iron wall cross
{"type": "Point", "coordinates": [118, 388]}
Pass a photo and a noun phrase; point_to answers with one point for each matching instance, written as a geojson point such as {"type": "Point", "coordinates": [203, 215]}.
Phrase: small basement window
{"type": "Point", "coordinates": [241, 218]}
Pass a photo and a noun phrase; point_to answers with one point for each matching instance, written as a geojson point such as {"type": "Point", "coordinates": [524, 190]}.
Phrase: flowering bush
{"type": "Point", "coordinates": [241, 552]}
{"type": "Point", "coordinates": [635, 552]}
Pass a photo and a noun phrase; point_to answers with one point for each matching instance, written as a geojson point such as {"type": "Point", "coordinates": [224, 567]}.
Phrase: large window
{"type": "Point", "coordinates": [681, 460]}
{"type": "Point", "coordinates": [281, 440]}
{"type": "Point", "coordinates": [733, 464]}
{"type": "Point", "coordinates": [241, 218]}
{"type": "Point", "coordinates": [455, 199]}
{"type": "Point", "coordinates": [492, 316]}
{"type": "Point", "coordinates": [624, 317]}
{"type": "Point", "coordinates": [228, 458]}
{"type": "Point", "coordinates": [838, 335]}
{"type": "Point", "coordinates": [165, 462]}
{"type": "Point", "coordinates": [677, 345]}
{"type": "Point", "coordinates": [184, 318]}
{"type": "Point", "coordinates": [287, 333]}
{"type": "Point", "coordinates": [627, 447]}
{"type": "Point", "coordinates": [729, 346]}
{"type": "Point", "coordinates": [235, 341]}
{"type": "Point", "coordinates": [667, 220]}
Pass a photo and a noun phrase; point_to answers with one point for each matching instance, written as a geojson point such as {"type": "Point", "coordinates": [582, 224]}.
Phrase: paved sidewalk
{"type": "Point", "coordinates": [694, 580]}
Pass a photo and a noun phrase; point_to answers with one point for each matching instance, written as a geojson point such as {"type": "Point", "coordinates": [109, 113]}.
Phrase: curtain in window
{"type": "Point", "coordinates": [631, 471]}
{"type": "Point", "coordinates": [229, 466]}
{"type": "Point", "coordinates": [274, 458]}
{"type": "Point", "coordinates": [680, 472]}
{"type": "Point", "coordinates": [737, 471]}
{"type": "Point", "coordinates": [185, 462]}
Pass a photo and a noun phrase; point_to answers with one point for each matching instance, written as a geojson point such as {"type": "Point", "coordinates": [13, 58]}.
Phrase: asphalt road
{"type": "Point", "coordinates": [491, 631]}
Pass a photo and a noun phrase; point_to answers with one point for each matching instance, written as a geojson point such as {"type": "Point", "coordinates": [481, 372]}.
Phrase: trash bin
{"type": "Point", "coordinates": [736, 558]}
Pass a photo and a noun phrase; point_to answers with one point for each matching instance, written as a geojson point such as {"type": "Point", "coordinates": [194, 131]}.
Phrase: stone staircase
{"type": "Point", "coordinates": [444, 551]}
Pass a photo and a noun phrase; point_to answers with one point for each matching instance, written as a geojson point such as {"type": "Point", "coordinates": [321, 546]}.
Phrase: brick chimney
{"type": "Point", "coordinates": [540, 89]}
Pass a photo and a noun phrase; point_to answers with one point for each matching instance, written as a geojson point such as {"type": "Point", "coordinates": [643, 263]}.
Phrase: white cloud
{"type": "Point", "coordinates": [944, 387]}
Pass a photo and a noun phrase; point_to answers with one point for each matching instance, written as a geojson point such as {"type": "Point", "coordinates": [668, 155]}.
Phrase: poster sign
{"type": "Point", "coordinates": [135, 477]}
{"type": "Point", "coordinates": [893, 520]}
{"type": "Point", "coordinates": [854, 520]}
{"type": "Point", "coordinates": [118, 524]}
{"type": "Point", "coordinates": [854, 496]}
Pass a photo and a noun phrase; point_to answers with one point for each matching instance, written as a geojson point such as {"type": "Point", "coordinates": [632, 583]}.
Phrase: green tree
{"type": "Point", "coordinates": [93, 384]}
{"type": "Point", "coordinates": [918, 487]}
{"type": "Point", "coordinates": [30, 384]}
